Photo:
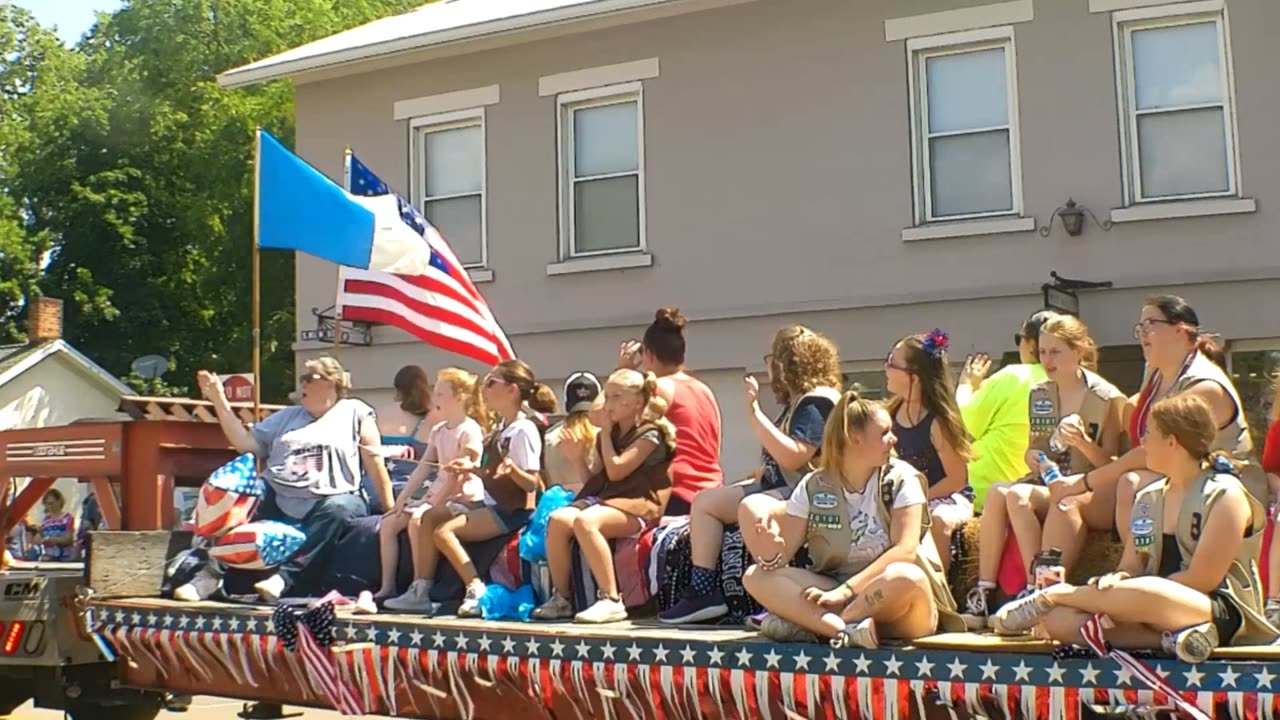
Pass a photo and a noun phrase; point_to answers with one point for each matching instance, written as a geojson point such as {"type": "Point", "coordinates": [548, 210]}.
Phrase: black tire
{"type": "Point", "coordinates": [145, 709]}
{"type": "Point", "coordinates": [12, 698]}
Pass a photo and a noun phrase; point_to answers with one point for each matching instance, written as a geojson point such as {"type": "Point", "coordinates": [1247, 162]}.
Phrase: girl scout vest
{"type": "Point", "coordinates": [643, 493]}
{"type": "Point", "coordinates": [1045, 410]}
{"type": "Point", "coordinates": [793, 477]}
{"type": "Point", "coordinates": [1242, 585]}
{"type": "Point", "coordinates": [1234, 439]}
{"type": "Point", "coordinates": [829, 540]}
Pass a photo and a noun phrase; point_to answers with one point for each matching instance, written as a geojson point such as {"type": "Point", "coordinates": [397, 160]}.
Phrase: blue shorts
{"type": "Point", "coordinates": [510, 521]}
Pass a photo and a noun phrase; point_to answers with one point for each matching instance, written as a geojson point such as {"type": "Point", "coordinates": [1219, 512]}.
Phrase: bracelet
{"type": "Point", "coordinates": [1087, 486]}
{"type": "Point", "coordinates": [771, 564]}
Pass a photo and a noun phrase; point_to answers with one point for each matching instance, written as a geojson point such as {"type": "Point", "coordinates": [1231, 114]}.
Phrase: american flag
{"type": "Point", "coordinates": [442, 308]}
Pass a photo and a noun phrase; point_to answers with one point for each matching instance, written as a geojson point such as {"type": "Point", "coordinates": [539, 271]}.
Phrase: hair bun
{"type": "Point", "coordinates": [670, 317]}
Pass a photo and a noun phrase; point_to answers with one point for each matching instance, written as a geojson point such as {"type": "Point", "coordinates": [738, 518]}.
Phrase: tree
{"type": "Point", "coordinates": [143, 183]}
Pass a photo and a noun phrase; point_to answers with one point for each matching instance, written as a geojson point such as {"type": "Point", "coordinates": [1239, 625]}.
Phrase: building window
{"type": "Point", "coordinates": [448, 158]}
{"type": "Point", "coordinates": [601, 138]}
{"type": "Point", "coordinates": [964, 120]}
{"type": "Point", "coordinates": [1174, 79]}
{"type": "Point", "coordinates": [1254, 366]}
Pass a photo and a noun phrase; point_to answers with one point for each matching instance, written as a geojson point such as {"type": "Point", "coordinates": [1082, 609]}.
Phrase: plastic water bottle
{"type": "Point", "coordinates": [1049, 471]}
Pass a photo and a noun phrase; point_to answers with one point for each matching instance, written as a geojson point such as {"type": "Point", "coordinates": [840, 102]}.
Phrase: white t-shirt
{"type": "Point", "coordinates": [521, 443]}
{"type": "Point", "coordinates": [870, 538]}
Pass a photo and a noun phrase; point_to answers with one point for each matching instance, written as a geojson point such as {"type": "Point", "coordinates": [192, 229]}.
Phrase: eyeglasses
{"type": "Point", "coordinates": [890, 364]}
{"type": "Point", "coordinates": [1148, 325]}
{"type": "Point", "coordinates": [311, 377]}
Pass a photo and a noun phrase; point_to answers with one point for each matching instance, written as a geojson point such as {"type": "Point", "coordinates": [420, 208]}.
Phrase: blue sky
{"type": "Point", "coordinates": [73, 17]}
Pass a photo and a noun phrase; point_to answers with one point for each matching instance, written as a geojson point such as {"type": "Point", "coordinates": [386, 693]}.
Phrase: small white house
{"type": "Point", "coordinates": [48, 382]}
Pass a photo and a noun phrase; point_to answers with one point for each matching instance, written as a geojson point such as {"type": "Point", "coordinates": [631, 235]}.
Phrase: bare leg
{"type": "Point", "coordinates": [1027, 503]}
{"type": "Point", "coordinates": [425, 554]}
{"type": "Point", "coordinates": [1152, 601]}
{"type": "Point", "coordinates": [593, 528]}
{"type": "Point", "coordinates": [559, 553]}
{"type": "Point", "coordinates": [900, 602]}
{"type": "Point", "coordinates": [751, 511]}
{"type": "Point", "coordinates": [389, 551]}
{"type": "Point", "coordinates": [1063, 625]}
{"type": "Point", "coordinates": [474, 526]}
{"type": "Point", "coordinates": [1065, 529]}
{"type": "Point", "coordinates": [946, 518]}
{"type": "Point", "coordinates": [991, 536]}
{"type": "Point", "coordinates": [711, 510]}
{"type": "Point", "coordinates": [781, 592]}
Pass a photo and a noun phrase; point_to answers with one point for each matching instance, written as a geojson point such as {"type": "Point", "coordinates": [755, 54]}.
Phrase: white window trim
{"type": "Point", "coordinates": [1167, 15]}
{"type": "Point", "coordinates": [1184, 209]}
{"type": "Point", "coordinates": [446, 102]}
{"type": "Point", "coordinates": [566, 104]}
{"type": "Point", "coordinates": [1101, 6]}
{"type": "Point", "coordinates": [918, 49]}
{"type": "Point", "coordinates": [948, 21]}
{"type": "Point", "coordinates": [462, 118]}
{"type": "Point", "coordinates": [969, 228]}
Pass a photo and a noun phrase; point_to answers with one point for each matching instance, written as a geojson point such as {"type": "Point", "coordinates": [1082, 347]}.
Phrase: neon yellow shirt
{"type": "Point", "coordinates": [996, 417]}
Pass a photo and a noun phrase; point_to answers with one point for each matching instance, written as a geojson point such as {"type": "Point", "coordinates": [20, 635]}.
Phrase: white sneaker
{"type": "Point", "coordinates": [204, 584]}
{"type": "Point", "coordinates": [605, 610]}
{"type": "Point", "coordinates": [470, 607]}
{"type": "Point", "coordinates": [270, 589]}
{"type": "Point", "coordinates": [416, 599]}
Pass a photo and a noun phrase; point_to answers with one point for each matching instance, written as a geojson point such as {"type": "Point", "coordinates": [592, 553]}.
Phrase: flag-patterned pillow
{"type": "Point", "coordinates": [257, 545]}
{"type": "Point", "coordinates": [228, 498]}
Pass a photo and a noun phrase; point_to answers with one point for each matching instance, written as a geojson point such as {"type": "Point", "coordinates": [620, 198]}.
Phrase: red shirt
{"type": "Point", "coordinates": [696, 415]}
{"type": "Point", "coordinates": [1271, 451]}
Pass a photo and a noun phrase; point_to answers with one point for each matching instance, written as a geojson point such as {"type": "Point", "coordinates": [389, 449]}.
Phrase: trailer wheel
{"type": "Point", "coordinates": [12, 698]}
{"type": "Point", "coordinates": [145, 709]}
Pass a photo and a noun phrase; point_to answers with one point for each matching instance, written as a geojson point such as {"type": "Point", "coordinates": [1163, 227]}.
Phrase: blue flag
{"type": "Point", "coordinates": [301, 209]}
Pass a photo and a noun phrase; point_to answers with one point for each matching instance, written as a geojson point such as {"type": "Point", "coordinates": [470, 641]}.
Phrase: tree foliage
{"type": "Point", "coordinates": [125, 166]}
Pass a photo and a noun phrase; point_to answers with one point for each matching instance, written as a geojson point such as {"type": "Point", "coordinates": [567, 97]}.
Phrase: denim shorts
{"type": "Point", "coordinates": [510, 521]}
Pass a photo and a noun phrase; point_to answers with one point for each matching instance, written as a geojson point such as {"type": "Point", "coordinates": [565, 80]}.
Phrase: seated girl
{"type": "Point", "coordinates": [57, 529]}
{"type": "Point", "coordinates": [1076, 424]}
{"type": "Point", "coordinates": [1188, 581]}
{"type": "Point", "coordinates": [568, 450]}
{"type": "Point", "coordinates": [930, 432]}
{"type": "Point", "coordinates": [406, 423]}
{"type": "Point", "coordinates": [1179, 361]}
{"type": "Point", "coordinates": [510, 471]}
{"type": "Point", "coordinates": [460, 434]}
{"type": "Point", "coordinates": [804, 372]}
{"type": "Point", "coordinates": [874, 571]}
{"type": "Point", "coordinates": [636, 447]}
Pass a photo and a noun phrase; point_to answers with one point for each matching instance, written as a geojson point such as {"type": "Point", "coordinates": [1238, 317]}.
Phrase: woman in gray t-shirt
{"type": "Point", "coordinates": [312, 461]}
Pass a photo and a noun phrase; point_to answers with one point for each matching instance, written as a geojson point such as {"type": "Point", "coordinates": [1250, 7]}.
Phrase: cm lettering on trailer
{"type": "Point", "coordinates": [23, 590]}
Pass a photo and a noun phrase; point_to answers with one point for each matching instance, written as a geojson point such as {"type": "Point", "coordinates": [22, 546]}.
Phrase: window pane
{"type": "Point", "coordinates": [1182, 152]}
{"type": "Point", "coordinates": [870, 382]}
{"type": "Point", "coordinates": [967, 91]}
{"type": "Point", "coordinates": [458, 219]}
{"type": "Point", "coordinates": [604, 140]}
{"type": "Point", "coordinates": [970, 174]}
{"type": "Point", "coordinates": [1253, 373]}
{"type": "Point", "coordinates": [607, 214]}
{"type": "Point", "coordinates": [1176, 66]}
{"type": "Point", "coordinates": [455, 161]}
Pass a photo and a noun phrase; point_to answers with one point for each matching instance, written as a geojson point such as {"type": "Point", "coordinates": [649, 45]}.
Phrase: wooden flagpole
{"type": "Point", "coordinates": [337, 297]}
{"type": "Point", "coordinates": [257, 278]}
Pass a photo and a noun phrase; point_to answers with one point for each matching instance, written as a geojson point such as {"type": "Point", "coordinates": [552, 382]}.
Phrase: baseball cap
{"type": "Point", "coordinates": [580, 390]}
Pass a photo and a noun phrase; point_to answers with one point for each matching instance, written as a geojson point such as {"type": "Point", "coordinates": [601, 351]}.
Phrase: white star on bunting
{"type": "Point", "coordinates": [583, 649]}
{"type": "Point", "coordinates": [660, 655]}
{"type": "Point", "coordinates": [832, 663]}
{"type": "Point", "coordinates": [393, 637]}
{"type": "Point", "coordinates": [233, 625]}
{"type": "Point", "coordinates": [802, 662]}
{"type": "Point", "coordinates": [744, 658]}
{"type": "Point", "coordinates": [892, 665]}
{"type": "Point", "coordinates": [1123, 676]}
{"type": "Point", "coordinates": [924, 668]}
{"type": "Point", "coordinates": [1021, 673]}
{"type": "Point", "coordinates": [183, 621]}
{"type": "Point", "coordinates": [957, 668]}
{"type": "Point", "coordinates": [152, 619]}
{"type": "Point", "coordinates": [483, 643]}
{"type": "Point", "coordinates": [771, 659]}
{"type": "Point", "coordinates": [687, 655]}
{"type": "Point", "coordinates": [607, 650]}
{"type": "Point", "coordinates": [989, 670]}
{"type": "Point", "coordinates": [460, 642]}
{"type": "Point", "coordinates": [251, 626]}
{"type": "Point", "coordinates": [1229, 677]}
{"type": "Point", "coordinates": [864, 665]}
{"type": "Point", "coordinates": [200, 622]}
{"type": "Point", "coordinates": [1088, 675]}
{"type": "Point", "coordinates": [1056, 673]}
{"type": "Point", "coordinates": [633, 653]}
{"type": "Point", "coordinates": [508, 645]}
{"type": "Point", "coordinates": [372, 633]}
{"type": "Point", "coordinates": [415, 638]}
{"type": "Point", "coordinates": [137, 619]}
{"type": "Point", "coordinates": [438, 639]}
{"type": "Point", "coordinates": [166, 620]}
{"type": "Point", "coordinates": [1264, 678]}
{"type": "Point", "coordinates": [217, 623]}
{"type": "Point", "coordinates": [532, 646]}
{"type": "Point", "coordinates": [716, 657]}
{"type": "Point", "coordinates": [557, 648]}
{"type": "Point", "coordinates": [1194, 677]}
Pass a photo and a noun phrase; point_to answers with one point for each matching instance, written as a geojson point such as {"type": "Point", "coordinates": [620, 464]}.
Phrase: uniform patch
{"type": "Point", "coordinates": [823, 521]}
{"type": "Point", "coordinates": [1142, 528]}
{"type": "Point", "coordinates": [824, 500]}
{"type": "Point", "coordinates": [1042, 406]}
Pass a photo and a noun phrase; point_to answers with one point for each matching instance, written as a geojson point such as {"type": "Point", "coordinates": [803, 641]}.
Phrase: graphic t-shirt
{"type": "Point", "coordinates": [521, 443]}
{"type": "Point", "coordinates": [52, 527]}
{"type": "Point", "coordinates": [447, 444]}
{"type": "Point", "coordinates": [308, 457]}
{"type": "Point", "coordinates": [870, 537]}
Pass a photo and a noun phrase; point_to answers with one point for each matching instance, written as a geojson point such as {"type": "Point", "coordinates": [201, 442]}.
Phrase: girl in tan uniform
{"type": "Point", "coordinates": [1166, 593]}
{"type": "Point", "coordinates": [1178, 361]}
{"type": "Point", "coordinates": [874, 570]}
{"type": "Point", "coordinates": [632, 490]}
{"type": "Point", "coordinates": [1084, 412]}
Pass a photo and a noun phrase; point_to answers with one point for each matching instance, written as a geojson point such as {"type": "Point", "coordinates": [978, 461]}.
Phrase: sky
{"type": "Point", "coordinates": [73, 17]}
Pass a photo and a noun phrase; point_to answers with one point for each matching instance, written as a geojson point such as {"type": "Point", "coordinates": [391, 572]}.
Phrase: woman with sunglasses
{"type": "Point", "coordinates": [1178, 361]}
{"type": "Point", "coordinates": [511, 471]}
{"type": "Point", "coordinates": [312, 454]}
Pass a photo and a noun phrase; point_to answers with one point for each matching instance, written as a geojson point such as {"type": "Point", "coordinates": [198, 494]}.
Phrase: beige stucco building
{"type": "Point", "coordinates": [867, 168]}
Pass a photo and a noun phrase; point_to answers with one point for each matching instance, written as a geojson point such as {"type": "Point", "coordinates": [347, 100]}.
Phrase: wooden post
{"type": "Point", "coordinates": [257, 280]}
{"type": "Point", "coordinates": [337, 288]}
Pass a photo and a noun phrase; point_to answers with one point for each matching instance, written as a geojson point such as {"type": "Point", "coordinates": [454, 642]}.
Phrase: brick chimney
{"type": "Point", "coordinates": [44, 319]}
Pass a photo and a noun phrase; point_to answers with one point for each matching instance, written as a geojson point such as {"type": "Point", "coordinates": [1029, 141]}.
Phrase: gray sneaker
{"type": "Point", "coordinates": [975, 605]}
{"type": "Point", "coordinates": [557, 608]}
{"type": "Point", "coordinates": [780, 630]}
{"type": "Point", "coordinates": [1273, 612]}
{"type": "Point", "coordinates": [1020, 615]}
{"type": "Point", "coordinates": [1191, 645]}
{"type": "Point", "coordinates": [861, 635]}
{"type": "Point", "coordinates": [417, 599]}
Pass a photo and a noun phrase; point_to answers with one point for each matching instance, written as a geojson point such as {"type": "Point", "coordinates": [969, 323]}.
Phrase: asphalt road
{"type": "Point", "coordinates": [202, 708]}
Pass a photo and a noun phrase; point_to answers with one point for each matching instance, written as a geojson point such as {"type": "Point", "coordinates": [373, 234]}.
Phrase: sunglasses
{"type": "Point", "coordinates": [311, 377]}
{"type": "Point", "coordinates": [890, 364]}
{"type": "Point", "coordinates": [490, 381]}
